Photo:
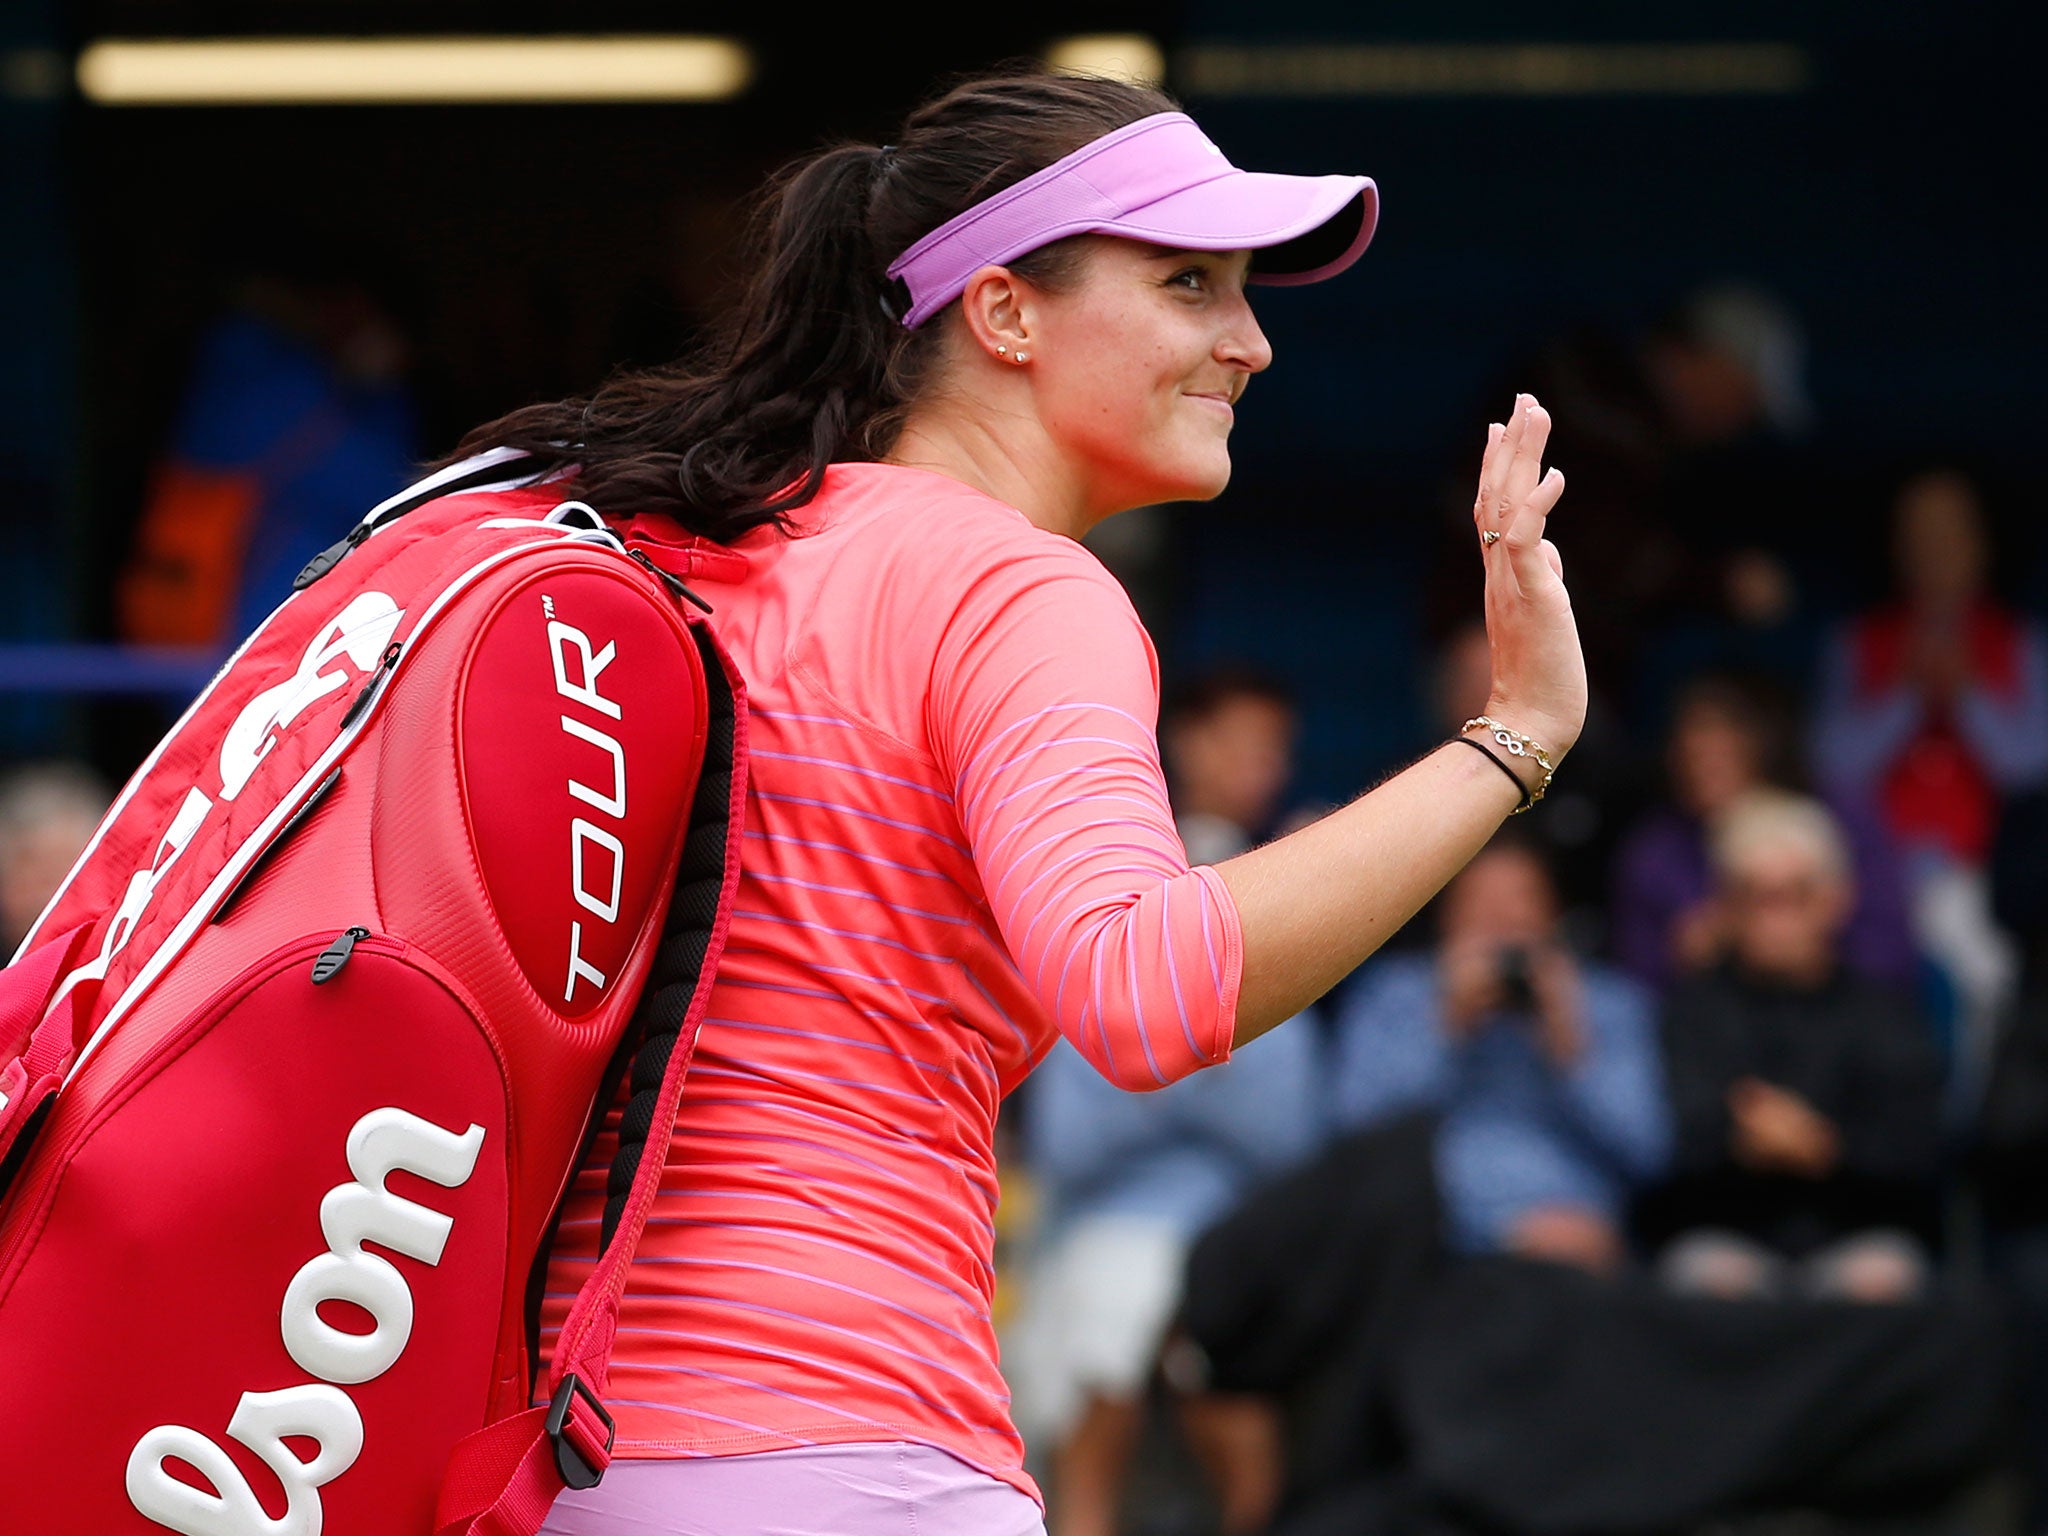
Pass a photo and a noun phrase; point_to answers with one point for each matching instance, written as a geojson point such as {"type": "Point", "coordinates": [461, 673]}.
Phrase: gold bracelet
{"type": "Point", "coordinates": [1518, 745]}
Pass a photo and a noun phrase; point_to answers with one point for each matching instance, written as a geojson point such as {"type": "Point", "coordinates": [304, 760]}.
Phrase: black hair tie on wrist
{"type": "Point", "coordinates": [1513, 777]}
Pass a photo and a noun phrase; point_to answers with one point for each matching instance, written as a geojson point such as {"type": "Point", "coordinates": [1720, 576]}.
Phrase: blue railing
{"type": "Point", "coordinates": [164, 671]}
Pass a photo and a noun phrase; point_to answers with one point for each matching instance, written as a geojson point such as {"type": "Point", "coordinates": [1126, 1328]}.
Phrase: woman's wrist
{"type": "Point", "coordinates": [1527, 759]}
{"type": "Point", "coordinates": [1509, 777]}
{"type": "Point", "coordinates": [1556, 737]}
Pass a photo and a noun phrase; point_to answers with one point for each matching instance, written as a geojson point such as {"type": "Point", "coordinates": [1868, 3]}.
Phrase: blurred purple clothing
{"type": "Point", "coordinates": [1663, 869]}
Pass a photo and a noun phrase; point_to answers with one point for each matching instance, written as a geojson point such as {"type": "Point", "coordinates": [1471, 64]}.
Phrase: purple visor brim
{"type": "Point", "coordinates": [1159, 180]}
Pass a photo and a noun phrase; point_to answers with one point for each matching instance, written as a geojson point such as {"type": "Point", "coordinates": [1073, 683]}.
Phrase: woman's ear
{"type": "Point", "coordinates": [997, 306]}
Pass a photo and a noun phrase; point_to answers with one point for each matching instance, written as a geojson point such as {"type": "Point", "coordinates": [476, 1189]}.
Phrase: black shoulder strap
{"type": "Point", "coordinates": [681, 963]}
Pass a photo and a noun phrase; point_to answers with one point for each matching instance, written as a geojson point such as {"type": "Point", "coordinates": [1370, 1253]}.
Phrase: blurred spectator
{"type": "Point", "coordinates": [1542, 1067]}
{"type": "Point", "coordinates": [1731, 735]}
{"type": "Point", "coordinates": [47, 815]}
{"type": "Point", "coordinates": [1755, 617]}
{"type": "Point", "coordinates": [295, 422]}
{"type": "Point", "coordinates": [1936, 707]}
{"type": "Point", "coordinates": [1728, 360]}
{"type": "Point", "coordinates": [1127, 1181]}
{"type": "Point", "coordinates": [1228, 741]}
{"type": "Point", "coordinates": [1937, 702]}
{"type": "Point", "coordinates": [1807, 1097]}
{"type": "Point", "coordinates": [1679, 446]}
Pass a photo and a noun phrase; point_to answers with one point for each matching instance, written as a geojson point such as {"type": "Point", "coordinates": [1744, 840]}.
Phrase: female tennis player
{"type": "Point", "coordinates": [957, 354]}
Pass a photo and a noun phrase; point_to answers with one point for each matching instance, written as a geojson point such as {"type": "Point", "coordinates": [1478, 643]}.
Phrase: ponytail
{"type": "Point", "coordinates": [811, 365]}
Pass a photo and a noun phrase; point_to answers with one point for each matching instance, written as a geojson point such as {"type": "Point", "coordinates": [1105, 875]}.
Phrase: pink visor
{"type": "Point", "coordinates": [1158, 180]}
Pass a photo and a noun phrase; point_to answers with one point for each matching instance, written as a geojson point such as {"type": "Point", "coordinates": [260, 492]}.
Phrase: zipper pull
{"type": "Point", "coordinates": [330, 557]}
{"type": "Point", "coordinates": [335, 955]}
{"type": "Point", "coordinates": [355, 707]}
{"type": "Point", "coordinates": [669, 579]}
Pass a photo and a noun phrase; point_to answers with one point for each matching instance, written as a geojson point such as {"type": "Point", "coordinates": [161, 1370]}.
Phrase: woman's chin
{"type": "Point", "coordinates": [1214, 484]}
{"type": "Point", "coordinates": [1202, 478]}
{"type": "Point", "coordinates": [1198, 473]}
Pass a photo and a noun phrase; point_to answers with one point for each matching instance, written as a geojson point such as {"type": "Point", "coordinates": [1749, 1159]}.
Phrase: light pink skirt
{"type": "Point", "coordinates": [891, 1489]}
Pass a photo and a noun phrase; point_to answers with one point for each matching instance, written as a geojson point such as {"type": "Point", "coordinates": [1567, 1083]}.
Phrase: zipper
{"type": "Point", "coordinates": [335, 955]}
{"type": "Point", "coordinates": [336, 552]}
{"type": "Point", "coordinates": [391, 654]}
{"type": "Point", "coordinates": [331, 556]}
{"type": "Point", "coordinates": [276, 845]}
{"type": "Point", "coordinates": [671, 580]}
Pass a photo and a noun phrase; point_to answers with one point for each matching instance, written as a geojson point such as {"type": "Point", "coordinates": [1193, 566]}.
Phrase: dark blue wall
{"type": "Point", "coordinates": [37, 353]}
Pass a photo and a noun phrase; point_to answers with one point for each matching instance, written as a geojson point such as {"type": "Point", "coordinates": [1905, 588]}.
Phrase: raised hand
{"type": "Point", "coordinates": [1539, 671]}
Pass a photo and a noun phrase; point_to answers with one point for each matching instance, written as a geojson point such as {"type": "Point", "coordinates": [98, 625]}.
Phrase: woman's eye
{"type": "Point", "coordinates": [1191, 278]}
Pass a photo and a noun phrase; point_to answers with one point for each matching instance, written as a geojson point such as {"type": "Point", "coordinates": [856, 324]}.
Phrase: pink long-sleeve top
{"type": "Point", "coordinates": [957, 843]}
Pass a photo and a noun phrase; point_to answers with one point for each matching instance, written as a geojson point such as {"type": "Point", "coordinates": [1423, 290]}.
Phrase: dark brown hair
{"type": "Point", "coordinates": [1201, 696]}
{"type": "Point", "coordinates": [1759, 707]}
{"type": "Point", "coordinates": [809, 366]}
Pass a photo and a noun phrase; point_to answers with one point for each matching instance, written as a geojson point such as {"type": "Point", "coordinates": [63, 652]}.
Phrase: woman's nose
{"type": "Point", "coordinates": [1245, 343]}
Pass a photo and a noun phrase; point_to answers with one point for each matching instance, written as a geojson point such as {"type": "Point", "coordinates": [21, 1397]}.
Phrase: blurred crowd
{"type": "Point", "coordinates": [1680, 1167]}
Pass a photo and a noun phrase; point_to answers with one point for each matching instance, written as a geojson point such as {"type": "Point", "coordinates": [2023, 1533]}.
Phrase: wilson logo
{"type": "Point", "coordinates": [352, 1214]}
{"type": "Point", "coordinates": [348, 647]}
{"type": "Point", "coordinates": [597, 855]}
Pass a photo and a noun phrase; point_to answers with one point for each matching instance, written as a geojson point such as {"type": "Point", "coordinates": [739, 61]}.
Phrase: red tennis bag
{"type": "Point", "coordinates": [300, 1061]}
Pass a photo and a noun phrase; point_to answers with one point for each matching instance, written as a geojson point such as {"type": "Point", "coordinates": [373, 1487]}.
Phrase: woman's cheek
{"type": "Point", "coordinates": [1107, 411]}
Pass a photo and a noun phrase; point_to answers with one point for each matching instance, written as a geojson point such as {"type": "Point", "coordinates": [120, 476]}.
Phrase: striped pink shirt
{"type": "Point", "coordinates": [957, 842]}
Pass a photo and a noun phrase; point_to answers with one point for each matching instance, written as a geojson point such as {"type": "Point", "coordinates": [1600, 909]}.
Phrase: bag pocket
{"type": "Point", "coordinates": [296, 1202]}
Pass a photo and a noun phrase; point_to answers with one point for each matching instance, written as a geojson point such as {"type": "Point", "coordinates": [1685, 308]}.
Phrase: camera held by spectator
{"type": "Point", "coordinates": [1542, 1067]}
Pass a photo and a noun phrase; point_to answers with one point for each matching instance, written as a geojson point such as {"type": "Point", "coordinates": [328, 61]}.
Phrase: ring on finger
{"type": "Point", "coordinates": [1489, 538]}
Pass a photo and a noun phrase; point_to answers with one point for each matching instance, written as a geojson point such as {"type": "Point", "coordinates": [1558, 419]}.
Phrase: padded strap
{"type": "Point", "coordinates": [502, 1480]}
{"type": "Point", "coordinates": [496, 467]}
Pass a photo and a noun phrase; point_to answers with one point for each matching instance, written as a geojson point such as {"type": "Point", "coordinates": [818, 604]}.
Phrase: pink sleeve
{"type": "Point", "coordinates": [1043, 710]}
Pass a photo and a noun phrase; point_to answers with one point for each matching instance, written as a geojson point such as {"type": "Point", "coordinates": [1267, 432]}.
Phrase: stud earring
{"type": "Point", "coordinates": [1002, 351]}
{"type": "Point", "coordinates": [1023, 357]}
